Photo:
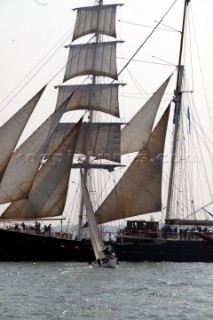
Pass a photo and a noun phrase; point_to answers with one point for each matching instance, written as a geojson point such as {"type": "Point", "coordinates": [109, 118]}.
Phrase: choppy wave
{"type": "Point", "coordinates": [148, 291]}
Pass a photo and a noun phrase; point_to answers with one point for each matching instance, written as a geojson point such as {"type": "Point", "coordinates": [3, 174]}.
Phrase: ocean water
{"type": "Point", "coordinates": [133, 291]}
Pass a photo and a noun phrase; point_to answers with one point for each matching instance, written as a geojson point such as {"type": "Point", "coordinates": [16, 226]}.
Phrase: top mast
{"type": "Point", "coordinates": [178, 97]}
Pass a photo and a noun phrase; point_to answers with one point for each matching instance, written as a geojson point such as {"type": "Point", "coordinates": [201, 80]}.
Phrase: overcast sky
{"type": "Point", "coordinates": [33, 29]}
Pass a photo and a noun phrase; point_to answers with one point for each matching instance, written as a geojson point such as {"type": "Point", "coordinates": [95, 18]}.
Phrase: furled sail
{"type": "Point", "coordinates": [11, 131]}
{"type": "Point", "coordinates": [135, 135]}
{"type": "Point", "coordinates": [25, 161]}
{"type": "Point", "coordinates": [97, 59]}
{"type": "Point", "coordinates": [101, 140]}
{"type": "Point", "coordinates": [47, 196]}
{"type": "Point", "coordinates": [97, 97]}
{"type": "Point", "coordinates": [139, 189]}
{"type": "Point", "coordinates": [97, 242]}
{"type": "Point", "coordinates": [95, 19]}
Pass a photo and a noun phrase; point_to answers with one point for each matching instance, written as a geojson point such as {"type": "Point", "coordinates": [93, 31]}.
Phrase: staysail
{"type": "Point", "coordinates": [136, 134]}
{"type": "Point", "coordinates": [26, 160]}
{"type": "Point", "coordinates": [48, 194]}
{"type": "Point", "coordinates": [11, 131]}
{"type": "Point", "coordinates": [139, 190]}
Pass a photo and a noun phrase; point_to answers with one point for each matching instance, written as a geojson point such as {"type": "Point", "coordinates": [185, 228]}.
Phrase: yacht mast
{"type": "Point", "coordinates": [178, 99]}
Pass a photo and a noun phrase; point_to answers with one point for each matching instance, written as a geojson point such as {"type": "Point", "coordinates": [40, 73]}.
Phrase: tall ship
{"type": "Point", "coordinates": [114, 169]}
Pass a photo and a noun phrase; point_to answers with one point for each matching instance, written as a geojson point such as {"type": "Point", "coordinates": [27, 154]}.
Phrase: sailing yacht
{"type": "Point", "coordinates": [35, 174]}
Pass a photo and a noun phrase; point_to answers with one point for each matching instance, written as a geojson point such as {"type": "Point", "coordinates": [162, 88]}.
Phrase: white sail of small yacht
{"type": "Point", "coordinates": [97, 242]}
{"type": "Point", "coordinates": [105, 257]}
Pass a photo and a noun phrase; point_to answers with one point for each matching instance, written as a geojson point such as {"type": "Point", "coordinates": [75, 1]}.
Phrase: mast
{"type": "Point", "coordinates": [87, 160]}
{"type": "Point", "coordinates": [178, 98]}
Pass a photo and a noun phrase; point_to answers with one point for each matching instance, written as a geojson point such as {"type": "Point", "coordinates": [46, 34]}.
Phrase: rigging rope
{"type": "Point", "coordinates": [143, 43]}
{"type": "Point", "coordinates": [45, 58]}
{"type": "Point", "coordinates": [202, 77]}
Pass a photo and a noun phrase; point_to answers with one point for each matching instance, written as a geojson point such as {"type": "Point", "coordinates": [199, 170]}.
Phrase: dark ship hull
{"type": "Point", "coordinates": [164, 250]}
{"type": "Point", "coordinates": [24, 246]}
{"type": "Point", "coordinates": [20, 246]}
{"type": "Point", "coordinates": [141, 241]}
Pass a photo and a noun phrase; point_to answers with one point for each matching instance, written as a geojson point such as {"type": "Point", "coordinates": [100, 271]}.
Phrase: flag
{"type": "Point", "coordinates": [174, 99]}
{"type": "Point", "coordinates": [175, 111]}
{"type": "Point", "coordinates": [189, 120]}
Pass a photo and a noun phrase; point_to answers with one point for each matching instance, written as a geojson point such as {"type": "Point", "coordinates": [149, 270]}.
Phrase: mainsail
{"type": "Point", "coordinates": [100, 140]}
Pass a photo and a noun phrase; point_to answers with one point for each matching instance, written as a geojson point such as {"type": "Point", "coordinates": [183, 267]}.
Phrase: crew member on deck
{"type": "Point", "coordinates": [23, 226]}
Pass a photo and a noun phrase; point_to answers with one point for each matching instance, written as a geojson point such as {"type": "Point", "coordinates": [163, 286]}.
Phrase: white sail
{"type": "Point", "coordinates": [135, 135]}
{"type": "Point", "coordinates": [96, 97]}
{"type": "Point", "coordinates": [47, 196]}
{"type": "Point", "coordinates": [25, 161]}
{"type": "Point", "coordinates": [139, 190]}
{"type": "Point", "coordinates": [97, 242]}
{"type": "Point", "coordinates": [11, 131]}
{"type": "Point", "coordinates": [101, 140]}
{"type": "Point", "coordinates": [97, 59]}
{"type": "Point", "coordinates": [95, 19]}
